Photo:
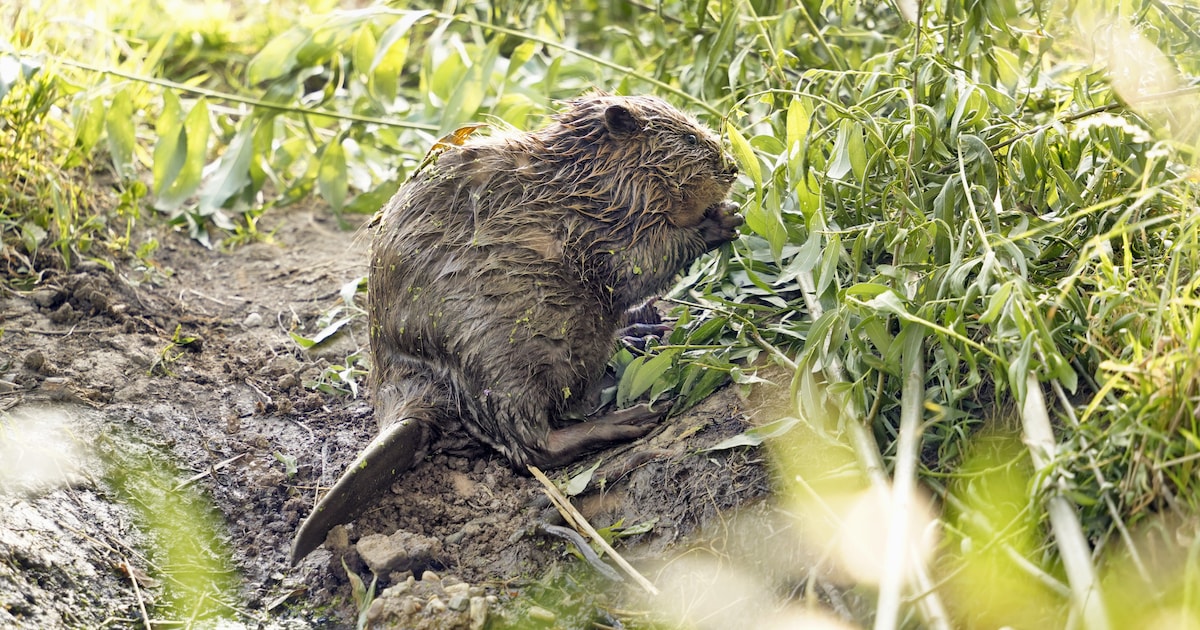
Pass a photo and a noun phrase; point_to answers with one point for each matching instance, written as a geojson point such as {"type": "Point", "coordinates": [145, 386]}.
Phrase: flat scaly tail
{"type": "Point", "coordinates": [391, 453]}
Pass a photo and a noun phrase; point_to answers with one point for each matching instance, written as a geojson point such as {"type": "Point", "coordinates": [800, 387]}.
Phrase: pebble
{"type": "Point", "coordinates": [287, 381]}
{"type": "Point", "coordinates": [399, 552]}
{"type": "Point", "coordinates": [459, 602]}
{"type": "Point", "coordinates": [44, 298]}
{"type": "Point", "coordinates": [34, 361]}
{"type": "Point", "coordinates": [479, 612]}
{"type": "Point", "coordinates": [253, 320]}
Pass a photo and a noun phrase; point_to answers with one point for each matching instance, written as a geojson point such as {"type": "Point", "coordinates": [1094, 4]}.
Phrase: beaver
{"type": "Point", "coordinates": [501, 274]}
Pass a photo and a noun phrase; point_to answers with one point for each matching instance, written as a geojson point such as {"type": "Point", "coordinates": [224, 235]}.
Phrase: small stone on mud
{"type": "Point", "coordinates": [282, 364]}
{"type": "Point", "coordinates": [430, 576]}
{"type": "Point", "coordinates": [64, 315]}
{"type": "Point", "coordinates": [459, 602]}
{"type": "Point", "coordinates": [286, 382]}
{"type": "Point", "coordinates": [479, 612]}
{"type": "Point", "coordinates": [44, 298]}
{"type": "Point", "coordinates": [253, 320]}
{"type": "Point", "coordinates": [398, 552]}
{"type": "Point", "coordinates": [35, 361]}
{"type": "Point", "coordinates": [442, 603]}
{"type": "Point", "coordinates": [337, 538]}
{"type": "Point", "coordinates": [537, 613]}
{"type": "Point", "coordinates": [460, 587]}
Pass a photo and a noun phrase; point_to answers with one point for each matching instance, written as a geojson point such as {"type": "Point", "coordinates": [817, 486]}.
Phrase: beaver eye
{"type": "Point", "coordinates": [690, 139]}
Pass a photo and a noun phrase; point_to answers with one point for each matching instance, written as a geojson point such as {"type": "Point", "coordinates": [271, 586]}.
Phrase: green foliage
{"type": "Point", "coordinates": [363, 595]}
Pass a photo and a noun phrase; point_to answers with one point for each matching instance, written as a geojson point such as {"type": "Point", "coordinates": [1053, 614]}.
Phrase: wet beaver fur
{"type": "Point", "coordinates": [501, 274]}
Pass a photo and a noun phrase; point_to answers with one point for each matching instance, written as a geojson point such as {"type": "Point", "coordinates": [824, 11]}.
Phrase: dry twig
{"type": "Point", "coordinates": [580, 524]}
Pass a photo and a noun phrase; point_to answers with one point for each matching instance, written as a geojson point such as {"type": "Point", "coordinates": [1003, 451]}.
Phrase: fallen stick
{"type": "Point", "coordinates": [580, 524]}
{"type": "Point", "coordinates": [212, 469]}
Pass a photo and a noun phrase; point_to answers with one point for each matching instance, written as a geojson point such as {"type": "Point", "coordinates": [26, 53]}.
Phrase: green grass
{"type": "Point", "coordinates": [189, 552]}
{"type": "Point", "coordinates": [938, 207]}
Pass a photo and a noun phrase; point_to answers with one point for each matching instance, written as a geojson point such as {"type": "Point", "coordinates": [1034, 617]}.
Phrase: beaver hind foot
{"type": "Point", "coordinates": [397, 447]}
{"type": "Point", "coordinates": [567, 444]}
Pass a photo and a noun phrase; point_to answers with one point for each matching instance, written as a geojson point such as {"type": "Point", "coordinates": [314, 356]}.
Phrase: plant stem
{"type": "Point", "coordinates": [904, 482]}
{"type": "Point", "coordinates": [866, 451]}
{"type": "Point", "coordinates": [1064, 522]}
{"type": "Point", "coordinates": [245, 100]}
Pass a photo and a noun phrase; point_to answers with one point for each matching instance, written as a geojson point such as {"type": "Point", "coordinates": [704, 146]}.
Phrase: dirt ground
{"type": "Point", "coordinates": [98, 356]}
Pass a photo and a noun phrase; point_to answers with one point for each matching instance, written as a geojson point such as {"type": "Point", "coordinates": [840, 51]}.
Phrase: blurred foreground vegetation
{"type": "Point", "coordinates": [967, 221]}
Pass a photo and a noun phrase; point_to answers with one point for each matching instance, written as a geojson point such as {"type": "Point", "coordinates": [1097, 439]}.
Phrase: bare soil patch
{"type": "Point", "coordinates": [233, 406]}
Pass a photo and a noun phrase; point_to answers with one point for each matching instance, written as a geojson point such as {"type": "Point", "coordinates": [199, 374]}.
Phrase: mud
{"type": "Point", "coordinates": [190, 360]}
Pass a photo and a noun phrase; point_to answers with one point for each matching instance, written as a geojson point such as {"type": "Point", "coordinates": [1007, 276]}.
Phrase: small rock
{"type": "Point", "coordinates": [537, 613]}
{"type": "Point", "coordinates": [459, 602]}
{"type": "Point", "coordinates": [282, 364]}
{"type": "Point", "coordinates": [271, 478]}
{"type": "Point", "coordinates": [287, 381]}
{"type": "Point", "coordinates": [376, 611]}
{"type": "Point", "coordinates": [397, 590]}
{"type": "Point", "coordinates": [253, 320]}
{"type": "Point", "coordinates": [479, 612]}
{"type": "Point", "coordinates": [337, 538]}
{"type": "Point", "coordinates": [399, 552]}
{"type": "Point", "coordinates": [435, 606]}
{"type": "Point", "coordinates": [34, 361]}
{"type": "Point", "coordinates": [430, 576]}
{"type": "Point", "coordinates": [64, 315]}
{"type": "Point", "coordinates": [44, 298]}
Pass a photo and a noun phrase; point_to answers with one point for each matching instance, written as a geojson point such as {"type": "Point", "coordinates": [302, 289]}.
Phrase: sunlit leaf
{"type": "Point", "coordinates": [744, 154]}
{"type": "Point", "coordinates": [331, 175]}
{"type": "Point", "coordinates": [170, 151]}
{"type": "Point", "coordinates": [393, 34]}
{"type": "Point", "coordinates": [278, 57]}
{"type": "Point", "coordinates": [232, 172]}
{"type": "Point", "coordinates": [118, 123]}
{"type": "Point", "coordinates": [849, 151]}
{"type": "Point", "coordinates": [757, 435]}
{"type": "Point", "coordinates": [578, 483]}
{"type": "Point", "coordinates": [179, 156]}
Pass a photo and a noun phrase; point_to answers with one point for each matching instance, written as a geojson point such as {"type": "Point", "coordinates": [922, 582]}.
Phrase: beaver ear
{"type": "Point", "coordinates": [621, 121]}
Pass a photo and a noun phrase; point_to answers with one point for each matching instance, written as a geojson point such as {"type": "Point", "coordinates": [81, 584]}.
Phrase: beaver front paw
{"type": "Point", "coordinates": [720, 224]}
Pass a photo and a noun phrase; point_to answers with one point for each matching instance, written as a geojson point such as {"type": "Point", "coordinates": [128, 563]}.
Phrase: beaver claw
{"type": "Point", "coordinates": [720, 223]}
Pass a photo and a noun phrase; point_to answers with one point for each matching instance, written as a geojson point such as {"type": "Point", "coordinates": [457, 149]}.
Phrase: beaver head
{"type": "Point", "coordinates": [655, 162]}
